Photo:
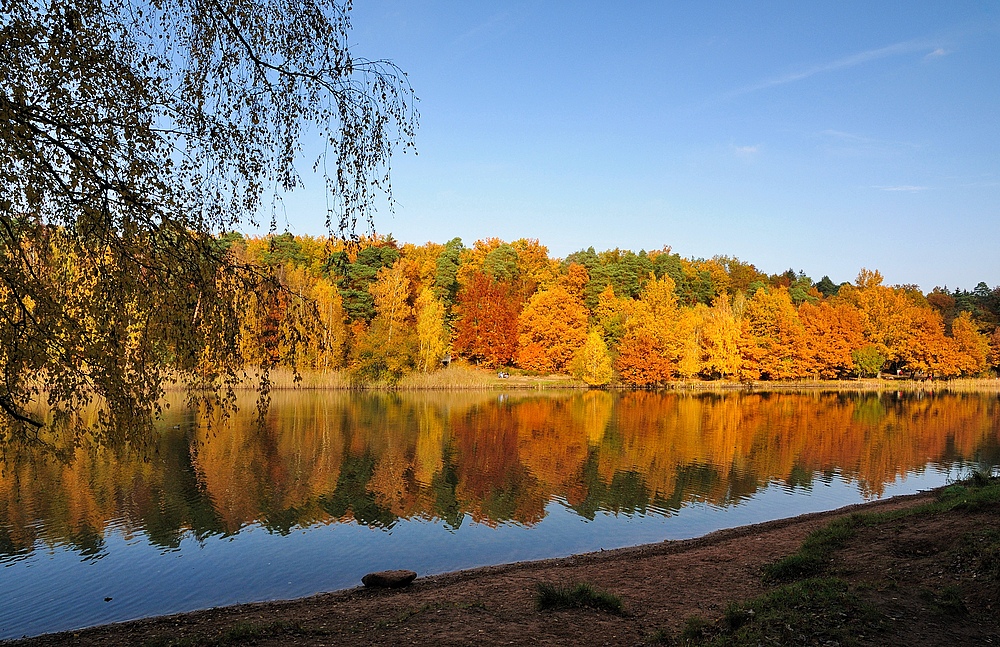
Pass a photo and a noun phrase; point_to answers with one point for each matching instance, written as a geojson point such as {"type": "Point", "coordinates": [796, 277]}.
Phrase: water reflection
{"type": "Point", "coordinates": [374, 459]}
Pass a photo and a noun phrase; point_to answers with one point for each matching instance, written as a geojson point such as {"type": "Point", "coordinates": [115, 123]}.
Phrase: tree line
{"type": "Point", "coordinates": [380, 309]}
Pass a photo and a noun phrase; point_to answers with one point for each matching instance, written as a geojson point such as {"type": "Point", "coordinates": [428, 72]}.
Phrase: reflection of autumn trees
{"type": "Point", "coordinates": [375, 458]}
{"type": "Point", "coordinates": [260, 472]}
{"type": "Point", "coordinates": [70, 496]}
{"type": "Point", "coordinates": [494, 483]}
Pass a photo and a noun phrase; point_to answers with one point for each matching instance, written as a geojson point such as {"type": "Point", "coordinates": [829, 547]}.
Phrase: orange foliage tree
{"type": "Point", "coordinates": [553, 325]}
{"type": "Point", "coordinates": [925, 348]}
{"type": "Point", "coordinates": [832, 333]}
{"type": "Point", "coordinates": [994, 357]}
{"type": "Point", "coordinates": [487, 319]}
{"type": "Point", "coordinates": [641, 359]}
{"type": "Point", "coordinates": [652, 343]}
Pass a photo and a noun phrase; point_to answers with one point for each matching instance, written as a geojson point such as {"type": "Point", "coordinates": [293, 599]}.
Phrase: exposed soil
{"type": "Point", "coordinates": [911, 569]}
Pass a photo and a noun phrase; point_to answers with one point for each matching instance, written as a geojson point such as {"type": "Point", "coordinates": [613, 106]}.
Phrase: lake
{"type": "Point", "coordinates": [331, 485]}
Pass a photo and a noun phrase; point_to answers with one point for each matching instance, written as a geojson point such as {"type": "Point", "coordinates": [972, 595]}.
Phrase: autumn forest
{"type": "Point", "coordinates": [615, 317]}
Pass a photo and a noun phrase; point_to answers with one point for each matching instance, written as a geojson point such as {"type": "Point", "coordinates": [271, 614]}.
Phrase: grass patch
{"type": "Point", "coordinates": [815, 553]}
{"type": "Point", "coordinates": [979, 553]}
{"type": "Point", "coordinates": [695, 629]}
{"type": "Point", "coordinates": [948, 601]}
{"type": "Point", "coordinates": [550, 596]}
{"type": "Point", "coordinates": [823, 610]}
{"type": "Point", "coordinates": [975, 494]}
{"type": "Point", "coordinates": [813, 611]}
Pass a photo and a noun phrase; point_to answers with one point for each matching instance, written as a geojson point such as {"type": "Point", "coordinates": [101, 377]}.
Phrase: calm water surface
{"type": "Point", "coordinates": [334, 485]}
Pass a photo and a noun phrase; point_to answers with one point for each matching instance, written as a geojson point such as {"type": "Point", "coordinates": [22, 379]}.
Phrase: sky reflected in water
{"type": "Point", "coordinates": [330, 486]}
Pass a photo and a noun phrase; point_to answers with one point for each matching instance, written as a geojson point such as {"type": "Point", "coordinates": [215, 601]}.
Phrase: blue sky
{"type": "Point", "coordinates": [824, 137]}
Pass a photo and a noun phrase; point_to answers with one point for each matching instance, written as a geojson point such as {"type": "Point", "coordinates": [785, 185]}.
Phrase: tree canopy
{"type": "Point", "coordinates": [135, 137]}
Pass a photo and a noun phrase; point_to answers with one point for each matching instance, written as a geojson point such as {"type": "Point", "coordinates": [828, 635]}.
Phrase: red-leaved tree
{"type": "Point", "coordinates": [486, 328]}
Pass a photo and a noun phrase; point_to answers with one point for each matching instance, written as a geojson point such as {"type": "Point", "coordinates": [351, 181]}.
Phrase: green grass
{"type": "Point", "coordinates": [695, 629]}
{"type": "Point", "coordinates": [550, 596]}
{"type": "Point", "coordinates": [814, 611]}
{"type": "Point", "coordinates": [816, 552]}
{"type": "Point", "coordinates": [811, 609]}
{"type": "Point", "coordinates": [978, 493]}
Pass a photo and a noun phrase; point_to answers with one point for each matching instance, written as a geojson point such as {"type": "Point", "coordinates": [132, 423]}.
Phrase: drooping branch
{"type": "Point", "coordinates": [8, 407]}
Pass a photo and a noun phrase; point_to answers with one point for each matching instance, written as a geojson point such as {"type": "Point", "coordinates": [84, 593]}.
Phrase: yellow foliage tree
{"type": "Point", "coordinates": [720, 340]}
{"type": "Point", "coordinates": [611, 313]}
{"type": "Point", "coordinates": [390, 291]}
{"type": "Point", "coordinates": [592, 362]}
{"type": "Point", "coordinates": [772, 336]}
{"type": "Point", "coordinates": [325, 343]}
{"type": "Point", "coordinates": [387, 349]}
{"type": "Point", "coordinates": [972, 347]}
{"type": "Point", "coordinates": [690, 328]}
{"type": "Point", "coordinates": [885, 313]}
{"type": "Point", "coordinates": [431, 336]}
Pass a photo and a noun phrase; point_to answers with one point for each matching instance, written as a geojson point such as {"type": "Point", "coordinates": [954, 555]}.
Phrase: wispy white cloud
{"type": "Point", "coordinates": [937, 53]}
{"type": "Point", "coordinates": [851, 137]}
{"type": "Point", "coordinates": [909, 188]}
{"type": "Point", "coordinates": [863, 141]}
{"type": "Point", "coordinates": [898, 49]}
{"type": "Point", "coordinates": [747, 151]}
{"type": "Point", "coordinates": [478, 35]}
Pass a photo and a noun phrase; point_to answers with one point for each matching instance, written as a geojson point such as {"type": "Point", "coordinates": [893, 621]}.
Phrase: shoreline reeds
{"type": "Point", "coordinates": [463, 377]}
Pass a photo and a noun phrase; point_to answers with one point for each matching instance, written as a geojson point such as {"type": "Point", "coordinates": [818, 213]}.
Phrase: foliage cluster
{"type": "Point", "coordinates": [135, 138]}
{"type": "Point", "coordinates": [639, 319]}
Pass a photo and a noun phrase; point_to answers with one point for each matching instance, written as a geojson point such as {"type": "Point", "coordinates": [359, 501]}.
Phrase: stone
{"type": "Point", "coordinates": [388, 579]}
